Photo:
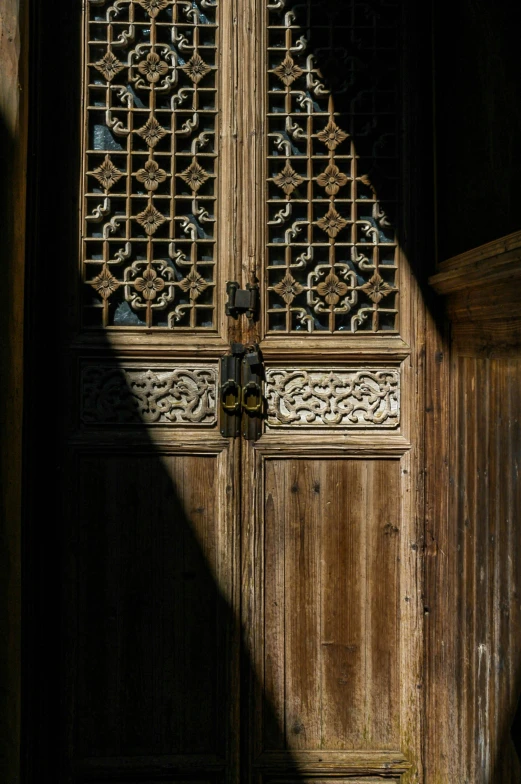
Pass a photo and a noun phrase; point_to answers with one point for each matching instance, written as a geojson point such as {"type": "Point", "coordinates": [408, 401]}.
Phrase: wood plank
{"type": "Point", "coordinates": [331, 603]}
{"type": "Point", "coordinates": [200, 634]}
{"type": "Point", "coordinates": [333, 763]}
{"type": "Point", "coordinates": [480, 266]}
{"type": "Point", "coordinates": [441, 578]}
{"type": "Point", "coordinates": [344, 491]}
{"type": "Point", "coordinates": [274, 601]}
{"type": "Point", "coordinates": [382, 637]}
{"type": "Point", "coordinates": [14, 58]}
{"type": "Point", "coordinates": [304, 521]}
{"type": "Point", "coordinates": [486, 474]}
{"type": "Point", "coordinates": [152, 650]}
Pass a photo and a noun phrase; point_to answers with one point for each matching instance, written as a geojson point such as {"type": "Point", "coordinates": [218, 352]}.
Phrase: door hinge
{"type": "Point", "coordinates": [242, 300]}
{"type": "Point", "coordinates": [242, 401]}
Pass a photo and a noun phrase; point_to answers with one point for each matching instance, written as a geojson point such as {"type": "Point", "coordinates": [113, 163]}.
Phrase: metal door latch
{"type": "Point", "coordinates": [242, 300]}
{"type": "Point", "coordinates": [242, 402]}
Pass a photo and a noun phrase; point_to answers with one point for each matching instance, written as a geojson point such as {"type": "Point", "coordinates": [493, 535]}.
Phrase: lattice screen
{"type": "Point", "coordinates": [150, 163]}
{"type": "Point", "coordinates": [333, 165]}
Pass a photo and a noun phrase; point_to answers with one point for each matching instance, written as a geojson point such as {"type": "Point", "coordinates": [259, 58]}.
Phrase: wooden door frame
{"type": "Point", "coordinates": [18, 60]}
{"type": "Point", "coordinates": [13, 162]}
{"type": "Point", "coordinates": [473, 545]}
{"type": "Point", "coordinates": [47, 149]}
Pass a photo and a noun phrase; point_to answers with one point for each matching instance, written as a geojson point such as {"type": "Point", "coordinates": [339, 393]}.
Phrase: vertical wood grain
{"type": "Point", "coordinates": [344, 585]}
{"type": "Point", "coordinates": [303, 533]}
{"type": "Point", "coordinates": [274, 600]}
{"type": "Point", "coordinates": [332, 646]}
{"type": "Point", "coordinates": [382, 632]}
{"type": "Point", "coordinates": [441, 564]}
{"type": "Point", "coordinates": [13, 160]}
{"type": "Point", "coordinates": [153, 624]}
{"type": "Point", "coordinates": [486, 508]}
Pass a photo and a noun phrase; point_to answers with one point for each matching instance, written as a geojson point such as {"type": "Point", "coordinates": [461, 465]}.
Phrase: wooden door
{"type": "Point", "coordinates": [331, 580]}
{"type": "Point", "coordinates": [243, 609]}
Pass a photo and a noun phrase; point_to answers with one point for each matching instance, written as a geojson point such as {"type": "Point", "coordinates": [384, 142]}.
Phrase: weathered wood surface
{"type": "Point", "coordinates": [483, 302]}
{"type": "Point", "coordinates": [341, 695]}
{"type": "Point", "coordinates": [331, 601]}
{"type": "Point", "coordinates": [487, 264]}
{"type": "Point", "coordinates": [151, 652]}
{"type": "Point", "coordinates": [486, 513]}
{"type": "Point", "coordinates": [13, 140]}
{"type": "Point", "coordinates": [473, 543]}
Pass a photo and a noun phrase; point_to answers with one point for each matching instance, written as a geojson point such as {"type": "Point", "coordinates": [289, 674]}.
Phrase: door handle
{"type": "Point", "coordinates": [253, 391]}
{"type": "Point", "coordinates": [231, 396]}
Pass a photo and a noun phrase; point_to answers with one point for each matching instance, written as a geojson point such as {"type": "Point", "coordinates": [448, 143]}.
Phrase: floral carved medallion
{"type": "Point", "coordinates": [151, 175]}
{"type": "Point", "coordinates": [288, 179]}
{"type": "Point", "coordinates": [153, 7]}
{"type": "Point", "coordinates": [107, 174]}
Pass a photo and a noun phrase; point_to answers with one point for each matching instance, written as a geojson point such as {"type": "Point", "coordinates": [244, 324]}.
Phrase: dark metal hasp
{"type": "Point", "coordinates": [242, 300]}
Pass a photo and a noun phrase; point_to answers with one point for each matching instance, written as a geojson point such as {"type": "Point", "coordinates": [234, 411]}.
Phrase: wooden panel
{"type": "Point", "coordinates": [323, 203]}
{"type": "Point", "coordinates": [440, 569]}
{"type": "Point", "coordinates": [151, 653]}
{"type": "Point", "coordinates": [306, 780]}
{"type": "Point", "coordinates": [332, 397]}
{"type": "Point", "coordinates": [14, 29]}
{"type": "Point", "coordinates": [483, 303]}
{"type": "Point", "coordinates": [168, 394]}
{"type": "Point", "coordinates": [486, 511]}
{"type": "Point", "coordinates": [473, 569]}
{"type": "Point", "coordinates": [473, 574]}
{"type": "Point", "coordinates": [168, 780]}
{"type": "Point", "coordinates": [331, 604]}
{"type": "Point", "coordinates": [144, 216]}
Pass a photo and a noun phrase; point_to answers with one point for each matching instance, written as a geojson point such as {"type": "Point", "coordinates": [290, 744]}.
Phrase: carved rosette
{"type": "Point", "coordinates": [149, 163]}
{"type": "Point", "coordinates": [332, 166]}
{"type": "Point", "coordinates": [158, 395]}
{"type": "Point", "coordinates": [338, 398]}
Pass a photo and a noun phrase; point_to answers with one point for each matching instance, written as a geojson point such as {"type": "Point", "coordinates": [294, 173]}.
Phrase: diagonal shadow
{"type": "Point", "coordinates": [131, 643]}
{"type": "Point", "coordinates": [129, 638]}
{"type": "Point", "coordinates": [133, 653]}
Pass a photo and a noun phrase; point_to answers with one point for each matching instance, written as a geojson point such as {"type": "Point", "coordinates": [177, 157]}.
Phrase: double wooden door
{"type": "Point", "coordinates": [244, 608]}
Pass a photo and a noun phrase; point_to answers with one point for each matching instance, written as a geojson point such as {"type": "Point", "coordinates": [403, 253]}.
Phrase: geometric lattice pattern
{"type": "Point", "coordinates": [333, 165]}
{"type": "Point", "coordinates": [148, 257]}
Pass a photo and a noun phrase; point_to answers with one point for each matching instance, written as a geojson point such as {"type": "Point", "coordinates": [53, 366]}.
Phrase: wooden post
{"type": "Point", "coordinates": [13, 157]}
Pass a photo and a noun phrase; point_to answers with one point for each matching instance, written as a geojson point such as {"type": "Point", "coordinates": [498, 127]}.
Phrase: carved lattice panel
{"type": "Point", "coordinates": [154, 394]}
{"type": "Point", "coordinates": [332, 165]}
{"type": "Point", "coordinates": [150, 163]}
{"type": "Point", "coordinates": [333, 398]}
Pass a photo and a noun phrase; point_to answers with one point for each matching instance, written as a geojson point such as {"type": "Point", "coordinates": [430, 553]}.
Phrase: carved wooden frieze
{"type": "Point", "coordinates": [152, 395]}
{"type": "Point", "coordinates": [333, 398]}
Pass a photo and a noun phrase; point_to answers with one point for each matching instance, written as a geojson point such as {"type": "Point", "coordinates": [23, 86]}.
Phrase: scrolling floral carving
{"type": "Point", "coordinates": [151, 396]}
{"type": "Point", "coordinates": [332, 163]}
{"type": "Point", "coordinates": [149, 160]}
{"type": "Point", "coordinates": [335, 398]}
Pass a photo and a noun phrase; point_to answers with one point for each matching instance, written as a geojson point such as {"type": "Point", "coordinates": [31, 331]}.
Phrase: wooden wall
{"type": "Point", "coordinates": [478, 122]}
{"type": "Point", "coordinates": [473, 564]}
{"type": "Point", "coordinates": [486, 505]}
{"type": "Point", "coordinates": [472, 547]}
{"type": "Point", "coordinates": [473, 509]}
{"type": "Point", "coordinates": [13, 134]}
